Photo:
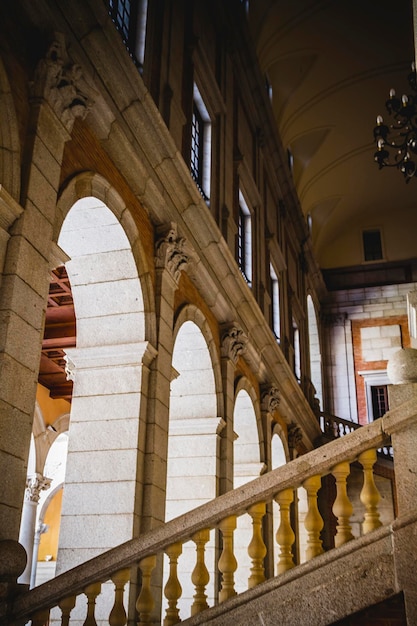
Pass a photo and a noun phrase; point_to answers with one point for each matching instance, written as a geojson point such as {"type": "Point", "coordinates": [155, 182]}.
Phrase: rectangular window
{"type": "Point", "coordinates": [297, 353]}
{"type": "Point", "coordinates": [372, 245]}
{"type": "Point", "coordinates": [379, 395]}
{"type": "Point", "coordinates": [130, 20]}
{"type": "Point", "coordinates": [275, 310]}
{"type": "Point", "coordinates": [200, 158]}
{"type": "Point", "coordinates": [245, 240]}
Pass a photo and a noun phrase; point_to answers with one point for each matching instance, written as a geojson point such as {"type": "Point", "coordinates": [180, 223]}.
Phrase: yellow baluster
{"type": "Point", "coordinates": [257, 547]}
{"type": "Point", "coordinates": [66, 605]}
{"type": "Point", "coordinates": [118, 615]}
{"type": "Point", "coordinates": [313, 521]}
{"type": "Point", "coordinates": [41, 618]}
{"type": "Point", "coordinates": [369, 495]}
{"type": "Point", "coordinates": [200, 576]}
{"type": "Point", "coordinates": [145, 602]}
{"type": "Point", "coordinates": [342, 507]}
{"type": "Point", "coordinates": [285, 535]}
{"type": "Point", "coordinates": [173, 588]}
{"type": "Point", "coordinates": [92, 591]}
{"type": "Point", "coordinates": [227, 562]}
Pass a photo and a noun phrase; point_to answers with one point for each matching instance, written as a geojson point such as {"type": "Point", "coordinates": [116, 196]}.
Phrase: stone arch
{"type": "Point", "coordinates": [193, 434]}
{"type": "Point", "coordinates": [248, 430]}
{"type": "Point", "coordinates": [91, 184]}
{"type": "Point", "coordinates": [9, 138]}
{"type": "Point", "coordinates": [113, 301]}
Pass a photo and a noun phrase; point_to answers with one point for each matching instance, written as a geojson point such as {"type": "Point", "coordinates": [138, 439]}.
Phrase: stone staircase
{"type": "Point", "coordinates": [362, 570]}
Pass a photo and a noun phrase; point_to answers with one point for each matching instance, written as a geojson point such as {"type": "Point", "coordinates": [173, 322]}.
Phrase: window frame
{"type": "Point", "coordinates": [245, 240]}
{"type": "Point", "coordinates": [200, 166]}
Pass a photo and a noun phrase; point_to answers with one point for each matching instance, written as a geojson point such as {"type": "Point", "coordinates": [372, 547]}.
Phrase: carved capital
{"type": "Point", "coordinates": [295, 436]}
{"type": "Point", "coordinates": [233, 343]}
{"type": "Point", "coordinates": [34, 485]}
{"type": "Point", "coordinates": [62, 84]}
{"type": "Point", "coordinates": [270, 399]}
{"type": "Point", "coordinates": [170, 250]}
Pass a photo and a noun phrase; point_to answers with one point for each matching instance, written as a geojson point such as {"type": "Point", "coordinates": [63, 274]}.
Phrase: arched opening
{"type": "Point", "coordinates": [247, 466]}
{"type": "Point", "coordinates": [101, 497]}
{"type": "Point", "coordinates": [192, 466]}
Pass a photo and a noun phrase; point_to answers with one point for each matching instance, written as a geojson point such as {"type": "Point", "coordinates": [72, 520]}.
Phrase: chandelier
{"type": "Point", "coordinates": [397, 142]}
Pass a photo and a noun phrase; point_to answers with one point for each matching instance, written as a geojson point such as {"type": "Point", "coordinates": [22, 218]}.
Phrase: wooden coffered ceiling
{"type": "Point", "coordinates": [59, 334]}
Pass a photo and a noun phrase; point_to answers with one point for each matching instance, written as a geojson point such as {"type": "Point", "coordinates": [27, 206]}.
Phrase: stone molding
{"type": "Point", "coordinates": [170, 253]}
{"type": "Point", "coordinates": [34, 485]}
{"type": "Point", "coordinates": [233, 343]}
{"type": "Point", "coordinates": [62, 84]}
{"type": "Point", "coordinates": [10, 210]}
{"type": "Point", "coordinates": [119, 355]}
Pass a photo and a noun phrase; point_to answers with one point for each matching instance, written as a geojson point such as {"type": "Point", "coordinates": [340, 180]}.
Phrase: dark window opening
{"type": "Point", "coordinates": [197, 147]}
{"type": "Point", "coordinates": [372, 245]}
{"type": "Point", "coordinates": [244, 251]}
{"type": "Point", "coordinates": [379, 396]}
{"type": "Point", "coordinates": [129, 18]}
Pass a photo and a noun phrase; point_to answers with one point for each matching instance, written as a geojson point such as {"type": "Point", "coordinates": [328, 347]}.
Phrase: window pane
{"type": "Point", "coordinates": [372, 245]}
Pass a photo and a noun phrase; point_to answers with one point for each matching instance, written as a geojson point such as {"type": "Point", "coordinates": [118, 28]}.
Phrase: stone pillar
{"type": "Point", "coordinates": [171, 258]}
{"type": "Point", "coordinates": [54, 105]}
{"type": "Point", "coordinates": [402, 371]}
{"type": "Point", "coordinates": [34, 485]}
{"type": "Point", "coordinates": [102, 495]}
{"type": "Point", "coordinates": [233, 345]}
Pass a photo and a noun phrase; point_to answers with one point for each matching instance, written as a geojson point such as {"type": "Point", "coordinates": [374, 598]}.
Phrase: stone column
{"type": "Point", "coordinates": [56, 100]}
{"type": "Point", "coordinates": [34, 485]}
{"type": "Point", "coordinates": [402, 371]}
{"type": "Point", "coordinates": [171, 258]}
{"type": "Point", "coordinates": [233, 345]}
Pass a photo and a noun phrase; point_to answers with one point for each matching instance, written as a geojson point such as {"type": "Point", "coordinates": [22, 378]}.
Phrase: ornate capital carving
{"type": "Point", "coordinates": [295, 436]}
{"type": "Point", "coordinates": [270, 398]}
{"type": "Point", "coordinates": [34, 485]}
{"type": "Point", "coordinates": [233, 343]}
{"type": "Point", "coordinates": [62, 84]}
{"type": "Point", "coordinates": [170, 250]}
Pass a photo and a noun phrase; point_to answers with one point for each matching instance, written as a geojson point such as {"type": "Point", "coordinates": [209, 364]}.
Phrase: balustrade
{"type": "Point", "coordinates": [277, 487]}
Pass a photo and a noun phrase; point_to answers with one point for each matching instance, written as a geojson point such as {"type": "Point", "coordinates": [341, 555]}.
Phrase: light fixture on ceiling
{"type": "Point", "coordinates": [397, 142]}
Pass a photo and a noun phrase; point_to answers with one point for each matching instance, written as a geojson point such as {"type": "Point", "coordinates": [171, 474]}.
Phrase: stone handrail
{"type": "Point", "coordinates": [278, 485]}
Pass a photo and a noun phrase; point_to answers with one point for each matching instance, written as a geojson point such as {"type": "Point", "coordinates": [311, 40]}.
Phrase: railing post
{"type": "Point", "coordinates": [92, 591]}
{"type": "Point", "coordinates": [369, 495]}
{"type": "Point", "coordinates": [313, 521]}
{"type": "Point", "coordinates": [145, 602]}
{"type": "Point", "coordinates": [118, 615]}
{"type": "Point", "coordinates": [40, 618]}
{"type": "Point", "coordinates": [200, 575]}
{"type": "Point", "coordinates": [285, 535]}
{"type": "Point", "coordinates": [227, 561]}
{"type": "Point", "coordinates": [66, 605]}
{"type": "Point", "coordinates": [257, 548]}
{"type": "Point", "coordinates": [342, 507]}
{"type": "Point", "coordinates": [173, 588]}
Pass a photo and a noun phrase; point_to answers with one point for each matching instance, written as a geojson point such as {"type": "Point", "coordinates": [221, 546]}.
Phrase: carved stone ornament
{"type": "Point", "coordinates": [62, 84]}
{"type": "Point", "coordinates": [234, 343]}
{"type": "Point", "coordinates": [270, 399]}
{"type": "Point", "coordinates": [170, 251]}
{"type": "Point", "coordinates": [295, 436]}
{"type": "Point", "coordinates": [34, 485]}
{"type": "Point", "coordinates": [69, 368]}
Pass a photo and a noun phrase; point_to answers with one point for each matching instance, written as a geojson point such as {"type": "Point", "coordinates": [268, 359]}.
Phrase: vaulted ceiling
{"type": "Point", "coordinates": [331, 65]}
